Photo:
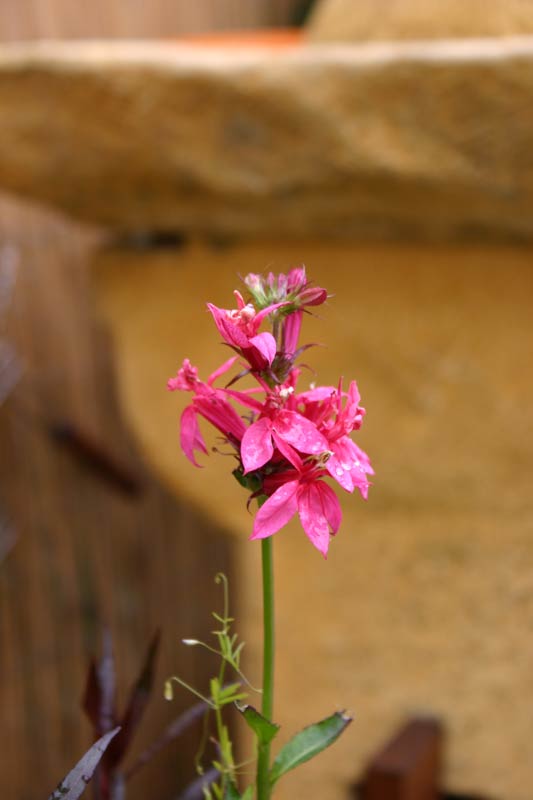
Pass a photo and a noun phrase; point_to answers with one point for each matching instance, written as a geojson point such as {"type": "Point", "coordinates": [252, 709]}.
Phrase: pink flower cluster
{"type": "Point", "coordinates": [287, 442]}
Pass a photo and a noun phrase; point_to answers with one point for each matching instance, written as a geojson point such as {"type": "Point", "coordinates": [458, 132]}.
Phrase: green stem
{"type": "Point", "coordinates": [263, 758]}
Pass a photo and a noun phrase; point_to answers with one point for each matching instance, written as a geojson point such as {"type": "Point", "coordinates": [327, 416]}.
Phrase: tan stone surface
{"type": "Point", "coordinates": [363, 20]}
{"type": "Point", "coordinates": [426, 600]}
{"type": "Point", "coordinates": [379, 140]}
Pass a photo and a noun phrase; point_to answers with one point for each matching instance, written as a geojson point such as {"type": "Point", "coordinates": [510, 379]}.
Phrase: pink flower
{"type": "Point", "coordinates": [317, 506]}
{"type": "Point", "coordinates": [347, 464]}
{"type": "Point", "coordinates": [239, 328]}
{"type": "Point", "coordinates": [286, 442]}
{"type": "Point", "coordinates": [209, 403]}
{"type": "Point", "coordinates": [282, 427]}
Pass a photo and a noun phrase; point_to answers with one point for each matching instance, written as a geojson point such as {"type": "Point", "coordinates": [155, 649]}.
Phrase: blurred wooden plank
{"type": "Point", "coordinates": [63, 19]}
{"type": "Point", "coordinates": [409, 766]}
{"type": "Point", "coordinates": [86, 554]}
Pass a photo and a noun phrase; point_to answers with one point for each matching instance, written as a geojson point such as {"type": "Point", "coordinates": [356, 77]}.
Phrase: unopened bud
{"type": "Point", "coordinates": [168, 693]}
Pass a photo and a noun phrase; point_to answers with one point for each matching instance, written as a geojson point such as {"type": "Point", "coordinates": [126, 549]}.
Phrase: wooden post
{"type": "Point", "coordinates": [409, 766]}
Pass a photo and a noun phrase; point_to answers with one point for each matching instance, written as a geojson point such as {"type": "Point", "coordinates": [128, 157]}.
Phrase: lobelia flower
{"type": "Point", "coordinates": [348, 464]}
{"type": "Point", "coordinates": [316, 503]}
{"type": "Point", "coordinates": [239, 328]}
{"type": "Point", "coordinates": [209, 403]}
{"type": "Point", "coordinates": [287, 443]}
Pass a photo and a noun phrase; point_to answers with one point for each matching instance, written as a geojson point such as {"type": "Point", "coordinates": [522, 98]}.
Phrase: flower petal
{"type": "Point", "coordinates": [313, 516]}
{"type": "Point", "coordinates": [256, 446]}
{"type": "Point", "coordinates": [288, 452]}
{"type": "Point", "coordinates": [339, 470]}
{"type": "Point", "coordinates": [266, 345]}
{"type": "Point", "coordinates": [277, 511]}
{"type": "Point", "coordinates": [331, 506]}
{"type": "Point", "coordinates": [190, 436]}
{"type": "Point", "coordinates": [222, 369]}
{"type": "Point", "coordinates": [300, 432]}
{"type": "Point", "coordinates": [219, 413]}
{"type": "Point", "coordinates": [229, 331]}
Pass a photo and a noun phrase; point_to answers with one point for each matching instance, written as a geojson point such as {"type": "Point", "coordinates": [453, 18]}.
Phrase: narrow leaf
{"type": "Point", "coordinates": [137, 702]}
{"type": "Point", "coordinates": [105, 673]}
{"type": "Point", "coordinates": [91, 698]}
{"type": "Point", "coordinates": [195, 790]}
{"type": "Point", "coordinates": [76, 781]}
{"type": "Point", "coordinates": [261, 726]}
{"type": "Point", "coordinates": [308, 743]}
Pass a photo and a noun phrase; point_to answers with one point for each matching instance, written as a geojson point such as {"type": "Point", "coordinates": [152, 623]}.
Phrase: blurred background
{"type": "Point", "coordinates": [384, 144]}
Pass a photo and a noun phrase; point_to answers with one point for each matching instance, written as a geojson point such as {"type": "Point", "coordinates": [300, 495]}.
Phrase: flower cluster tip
{"type": "Point", "coordinates": [286, 443]}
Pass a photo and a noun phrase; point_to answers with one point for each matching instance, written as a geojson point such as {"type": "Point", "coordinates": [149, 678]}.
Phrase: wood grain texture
{"type": "Point", "coordinates": [64, 19]}
{"type": "Point", "coordinates": [86, 554]}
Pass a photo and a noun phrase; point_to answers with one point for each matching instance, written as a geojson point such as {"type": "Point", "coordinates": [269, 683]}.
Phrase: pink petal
{"type": "Point", "coordinates": [363, 489]}
{"type": "Point", "coordinates": [259, 317]}
{"type": "Point", "coordinates": [229, 331]}
{"type": "Point", "coordinates": [286, 450]}
{"type": "Point", "coordinates": [300, 432]}
{"type": "Point", "coordinates": [339, 471]}
{"type": "Point", "coordinates": [313, 296]}
{"type": "Point", "coordinates": [317, 394]}
{"type": "Point", "coordinates": [266, 344]}
{"type": "Point", "coordinates": [219, 413]}
{"type": "Point", "coordinates": [313, 516]}
{"type": "Point", "coordinates": [291, 331]}
{"type": "Point", "coordinates": [277, 511]}
{"type": "Point", "coordinates": [190, 436]}
{"type": "Point", "coordinates": [296, 278]}
{"type": "Point", "coordinates": [244, 398]}
{"type": "Point", "coordinates": [341, 464]}
{"type": "Point", "coordinates": [353, 394]}
{"type": "Point", "coordinates": [331, 506]}
{"type": "Point", "coordinates": [256, 446]}
{"type": "Point", "coordinates": [363, 458]}
{"type": "Point", "coordinates": [222, 369]}
{"type": "Point", "coordinates": [240, 300]}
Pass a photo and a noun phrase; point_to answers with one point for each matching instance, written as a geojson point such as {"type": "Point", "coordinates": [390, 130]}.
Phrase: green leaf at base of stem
{"type": "Point", "coordinates": [261, 726]}
{"type": "Point", "coordinates": [308, 743]}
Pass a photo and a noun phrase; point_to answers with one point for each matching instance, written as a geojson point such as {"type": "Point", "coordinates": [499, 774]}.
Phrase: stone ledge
{"type": "Point", "coordinates": [416, 139]}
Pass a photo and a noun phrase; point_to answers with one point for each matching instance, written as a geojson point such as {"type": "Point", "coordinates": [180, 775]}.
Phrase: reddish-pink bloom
{"type": "Point", "coordinates": [286, 443]}
{"type": "Point", "coordinates": [209, 403]}
{"type": "Point", "coordinates": [316, 503]}
{"type": "Point", "coordinates": [281, 428]}
{"type": "Point", "coordinates": [240, 329]}
{"type": "Point", "coordinates": [336, 414]}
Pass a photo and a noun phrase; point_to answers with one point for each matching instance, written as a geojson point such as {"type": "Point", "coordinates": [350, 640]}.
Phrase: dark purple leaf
{"type": "Point", "coordinates": [138, 700]}
{"type": "Point", "coordinates": [99, 696]}
{"type": "Point", "coordinates": [91, 697]}
{"type": "Point", "coordinates": [106, 682]}
{"type": "Point", "coordinates": [77, 779]}
{"type": "Point", "coordinates": [195, 790]}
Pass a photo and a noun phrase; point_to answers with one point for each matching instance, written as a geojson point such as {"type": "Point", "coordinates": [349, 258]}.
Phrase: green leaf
{"type": "Point", "coordinates": [261, 726]}
{"type": "Point", "coordinates": [308, 743]}
{"type": "Point", "coordinates": [227, 691]}
{"type": "Point", "coordinates": [232, 793]}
